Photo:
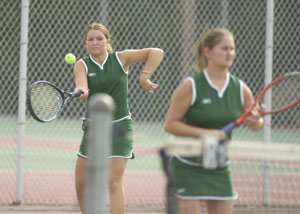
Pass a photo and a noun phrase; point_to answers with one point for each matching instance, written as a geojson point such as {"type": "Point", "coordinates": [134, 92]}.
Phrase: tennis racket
{"type": "Point", "coordinates": [285, 91]}
{"type": "Point", "coordinates": [45, 101]}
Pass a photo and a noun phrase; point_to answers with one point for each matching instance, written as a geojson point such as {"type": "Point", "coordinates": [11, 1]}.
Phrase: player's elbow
{"type": "Point", "coordinates": [158, 52]}
{"type": "Point", "coordinates": [161, 51]}
{"type": "Point", "coordinates": [168, 126]}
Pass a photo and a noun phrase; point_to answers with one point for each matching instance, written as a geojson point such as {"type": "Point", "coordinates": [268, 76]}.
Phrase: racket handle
{"type": "Point", "coordinates": [228, 128]}
{"type": "Point", "coordinates": [77, 94]}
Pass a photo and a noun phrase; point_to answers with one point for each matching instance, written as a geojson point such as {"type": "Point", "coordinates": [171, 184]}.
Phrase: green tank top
{"type": "Point", "coordinates": [109, 78]}
{"type": "Point", "coordinates": [211, 108]}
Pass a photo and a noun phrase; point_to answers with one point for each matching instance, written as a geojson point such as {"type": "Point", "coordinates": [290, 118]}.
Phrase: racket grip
{"type": "Point", "coordinates": [77, 94]}
{"type": "Point", "coordinates": [228, 128]}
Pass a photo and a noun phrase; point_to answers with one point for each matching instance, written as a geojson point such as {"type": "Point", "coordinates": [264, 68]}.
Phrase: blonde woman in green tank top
{"type": "Point", "coordinates": [201, 105]}
{"type": "Point", "coordinates": [105, 71]}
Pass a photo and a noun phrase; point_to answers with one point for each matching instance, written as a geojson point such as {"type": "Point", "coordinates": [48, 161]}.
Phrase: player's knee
{"type": "Point", "coordinates": [79, 183]}
{"type": "Point", "coordinates": [80, 174]}
{"type": "Point", "coordinates": [115, 184]}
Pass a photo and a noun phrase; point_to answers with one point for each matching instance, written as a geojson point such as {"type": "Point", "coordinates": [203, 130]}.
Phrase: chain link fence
{"type": "Point", "coordinates": [56, 28]}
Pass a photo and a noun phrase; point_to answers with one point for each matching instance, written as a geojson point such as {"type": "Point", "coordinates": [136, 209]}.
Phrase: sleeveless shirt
{"type": "Point", "coordinates": [212, 108]}
{"type": "Point", "coordinates": [109, 78]}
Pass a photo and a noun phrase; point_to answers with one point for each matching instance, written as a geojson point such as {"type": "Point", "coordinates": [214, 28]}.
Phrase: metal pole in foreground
{"type": "Point", "coordinates": [22, 100]}
{"type": "Point", "coordinates": [268, 100]}
{"type": "Point", "coordinates": [100, 108]}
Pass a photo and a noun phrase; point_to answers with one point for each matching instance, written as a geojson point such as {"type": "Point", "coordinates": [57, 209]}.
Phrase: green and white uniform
{"type": "Point", "coordinates": [111, 78]}
{"type": "Point", "coordinates": [213, 109]}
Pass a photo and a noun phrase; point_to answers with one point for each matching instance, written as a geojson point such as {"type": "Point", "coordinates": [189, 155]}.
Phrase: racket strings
{"type": "Point", "coordinates": [285, 92]}
{"type": "Point", "coordinates": [46, 101]}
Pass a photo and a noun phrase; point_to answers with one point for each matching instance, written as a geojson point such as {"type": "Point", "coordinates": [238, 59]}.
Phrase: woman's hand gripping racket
{"type": "Point", "coordinates": [45, 101]}
{"type": "Point", "coordinates": [285, 95]}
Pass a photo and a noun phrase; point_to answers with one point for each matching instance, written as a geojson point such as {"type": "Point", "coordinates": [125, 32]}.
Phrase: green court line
{"type": "Point", "coordinates": [51, 160]}
{"type": "Point", "coordinates": [150, 133]}
{"type": "Point", "coordinates": [39, 160]}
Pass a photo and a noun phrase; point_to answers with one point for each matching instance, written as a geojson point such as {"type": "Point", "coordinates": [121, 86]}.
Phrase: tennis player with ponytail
{"type": "Point", "coordinates": [106, 71]}
{"type": "Point", "coordinates": [202, 105]}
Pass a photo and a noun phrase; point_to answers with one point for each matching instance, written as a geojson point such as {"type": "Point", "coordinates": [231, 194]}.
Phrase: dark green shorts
{"type": "Point", "coordinates": [195, 182]}
{"type": "Point", "coordinates": [122, 140]}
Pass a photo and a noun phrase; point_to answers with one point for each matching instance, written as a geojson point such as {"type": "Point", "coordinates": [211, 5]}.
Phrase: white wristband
{"type": "Point", "coordinates": [146, 72]}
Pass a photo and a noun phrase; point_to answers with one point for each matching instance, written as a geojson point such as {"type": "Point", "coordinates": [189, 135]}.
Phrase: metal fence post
{"type": "Point", "coordinates": [100, 108]}
{"type": "Point", "coordinates": [22, 100]}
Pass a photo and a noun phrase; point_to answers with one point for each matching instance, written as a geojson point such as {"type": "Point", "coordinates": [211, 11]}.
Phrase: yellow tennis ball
{"type": "Point", "coordinates": [70, 58]}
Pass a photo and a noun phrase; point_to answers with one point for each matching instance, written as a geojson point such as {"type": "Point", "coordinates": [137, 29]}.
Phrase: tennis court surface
{"type": "Point", "coordinates": [75, 210]}
{"type": "Point", "coordinates": [63, 210]}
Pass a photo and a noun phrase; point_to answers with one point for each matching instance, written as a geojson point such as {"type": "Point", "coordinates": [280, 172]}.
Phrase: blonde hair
{"type": "Point", "coordinates": [210, 39]}
{"type": "Point", "coordinates": [103, 29]}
